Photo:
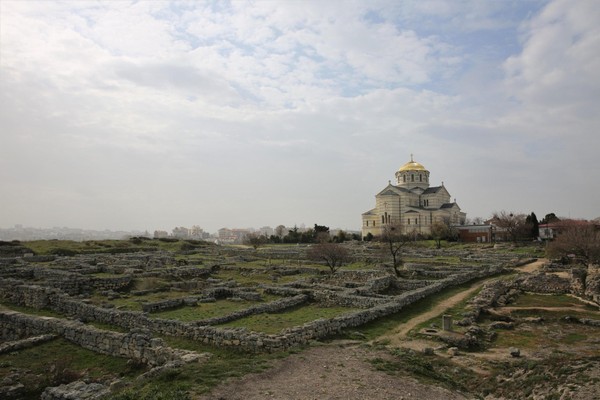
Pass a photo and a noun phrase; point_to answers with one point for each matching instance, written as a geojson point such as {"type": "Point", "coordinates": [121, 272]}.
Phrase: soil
{"type": "Point", "coordinates": [329, 372]}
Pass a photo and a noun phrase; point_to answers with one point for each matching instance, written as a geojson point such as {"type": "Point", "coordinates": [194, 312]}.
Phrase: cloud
{"type": "Point", "coordinates": [233, 114]}
{"type": "Point", "coordinates": [558, 67]}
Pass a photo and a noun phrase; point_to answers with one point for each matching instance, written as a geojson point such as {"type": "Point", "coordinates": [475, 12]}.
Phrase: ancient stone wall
{"type": "Point", "coordinates": [137, 344]}
{"type": "Point", "coordinates": [54, 299]}
{"type": "Point", "coordinates": [271, 307]}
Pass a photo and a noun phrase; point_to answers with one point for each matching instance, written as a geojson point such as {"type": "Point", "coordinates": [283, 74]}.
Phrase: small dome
{"type": "Point", "coordinates": [412, 166]}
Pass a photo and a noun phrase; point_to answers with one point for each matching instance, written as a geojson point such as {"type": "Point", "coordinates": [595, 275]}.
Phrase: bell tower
{"type": "Point", "coordinates": [412, 175]}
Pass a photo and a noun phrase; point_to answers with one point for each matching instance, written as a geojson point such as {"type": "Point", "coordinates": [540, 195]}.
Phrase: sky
{"type": "Point", "coordinates": [150, 115]}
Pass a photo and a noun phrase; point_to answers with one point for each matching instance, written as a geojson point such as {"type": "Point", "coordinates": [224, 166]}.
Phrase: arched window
{"type": "Point", "coordinates": [382, 219]}
{"type": "Point", "coordinates": [404, 178]}
{"type": "Point", "coordinates": [420, 178]}
{"type": "Point", "coordinates": [412, 177]}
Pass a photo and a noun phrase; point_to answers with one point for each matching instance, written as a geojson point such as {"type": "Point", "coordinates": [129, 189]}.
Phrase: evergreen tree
{"type": "Point", "coordinates": [535, 225]}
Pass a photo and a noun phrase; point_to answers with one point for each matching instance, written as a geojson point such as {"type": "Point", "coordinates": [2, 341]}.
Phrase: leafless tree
{"type": "Point", "coordinates": [280, 231]}
{"type": "Point", "coordinates": [579, 238]}
{"type": "Point", "coordinates": [515, 225]}
{"type": "Point", "coordinates": [334, 255]}
{"type": "Point", "coordinates": [394, 242]}
{"type": "Point", "coordinates": [474, 221]}
{"type": "Point", "coordinates": [440, 230]}
{"type": "Point", "coordinates": [255, 240]}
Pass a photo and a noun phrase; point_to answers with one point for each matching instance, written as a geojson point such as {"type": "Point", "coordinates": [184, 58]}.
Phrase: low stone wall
{"type": "Point", "coordinates": [187, 272]}
{"type": "Point", "coordinates": [15, 345]}
{"type": "Point", "coordinates": [77, 390]}
{"type": "Point", "coordinates": [544, 283]}
{"type": "Point", "coordinates": [271, 307]}
{"type": "Point", "coordinates": [164, 305]}
{"type": "Point", "coordinates": [40, 297]}
{"type": "Point", "coordinates": [137, 344]}
{"type": "Point", "coordinates": [75, 283]}
{"type": "Point", "coordinates": [330, 298]}
{"type": "Point", "coordinates": [498, 293]}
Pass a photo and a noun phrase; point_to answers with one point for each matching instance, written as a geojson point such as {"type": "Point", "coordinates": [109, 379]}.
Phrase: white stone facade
{"type": "Point", "coordinates": [412, 204]}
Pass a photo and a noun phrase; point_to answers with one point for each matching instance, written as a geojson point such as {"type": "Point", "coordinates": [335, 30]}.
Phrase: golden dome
{"type": "Point", "coordinates": [412, 166]}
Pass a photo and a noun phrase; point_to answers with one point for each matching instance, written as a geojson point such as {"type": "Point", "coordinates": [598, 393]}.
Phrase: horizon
{"type": "Point", "coordinates": [154, 115]}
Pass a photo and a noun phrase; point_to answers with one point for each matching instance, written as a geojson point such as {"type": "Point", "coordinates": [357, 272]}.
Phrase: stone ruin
{"type": "Point", "coordinates": [66, 285]}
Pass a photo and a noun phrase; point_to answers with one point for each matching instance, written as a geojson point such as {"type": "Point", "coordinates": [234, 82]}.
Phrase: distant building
{"type": "Point", "coordinates": [411, 204]}
{"type": "Point", "coordinates": [475, 233]}
{"type": "Point", "coordinates": [161, 234]}
{"type": "Point", "coordinates": [227, 235]}
{"type": "Point", "coordinates": [547, 231]}
{"type": "Point", "coordinates": [266, 231]}
{"type": "Point", "coordinates": [181, 232]}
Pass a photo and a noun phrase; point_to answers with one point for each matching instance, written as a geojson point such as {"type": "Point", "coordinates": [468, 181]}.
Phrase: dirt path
{"type": "Point", "coordinates": [344, 372]}
{"type": "Point", "coordinates": [328, 372]}
{"type": "Point", "coordinates": [534, 266]}
{"type": "Point", "coordinates": [399, 333]}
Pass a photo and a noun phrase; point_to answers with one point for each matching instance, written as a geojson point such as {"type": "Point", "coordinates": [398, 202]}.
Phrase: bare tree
{"type": "Point", "coordinates": [334, 255]}
{"type": "Point", "coordinates": [440, 230]}
{"type": "Point", "coordinates": [395, 241]}
{"type": "Point", "coordinates": [280, 231]}
{"type": "Point", "coordinates": [515, 225]}
{"type": "Point", "coordinates": [255, 240]}
{"type": "Point", "coordinates": [579, 238]}
{"type": "Point", "coordinates": [474, 221]}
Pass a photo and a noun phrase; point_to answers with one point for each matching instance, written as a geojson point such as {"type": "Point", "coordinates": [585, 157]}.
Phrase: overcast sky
{"type": "Point", "coordinates": [151, 115]}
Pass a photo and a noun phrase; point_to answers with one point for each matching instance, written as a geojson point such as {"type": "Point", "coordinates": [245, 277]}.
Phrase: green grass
{"type": "Point", "coordinates": [59, 361]}
{"type": "Point", "coordinates": [42, 247]}
{"type": "Point", "coordinates": [134, 303]}
{"type": "Point", "coordinates": [208, 310]}
{"type": "Point", "coordinates": [540, 300]}
{"type": "Point", "coordinates": [254, 276]}
{"type": "Point", "coordinates": [274, 323]}
{"type": "Point", "coordinates": [548, 335]}
{"type": "Point", "coordinates": [31, 310]}
{"type": "Point", "coordinates": [374, 329]}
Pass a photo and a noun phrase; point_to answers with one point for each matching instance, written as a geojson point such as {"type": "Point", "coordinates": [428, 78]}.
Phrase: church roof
{"type": "Point", "coordinates": [369, 212]}
{"type": "Point", "coordinates": [412, 166]}
{"type": "Point", "coordinates": [447, 205]}
{"type": "Point", "coordinates": [391, 190]}
{"type": "Point", "coordinates": [433, 189]}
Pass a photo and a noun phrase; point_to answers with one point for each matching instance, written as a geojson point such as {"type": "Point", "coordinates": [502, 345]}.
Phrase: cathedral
{"type": "Point", "coordinates": [411, 204]}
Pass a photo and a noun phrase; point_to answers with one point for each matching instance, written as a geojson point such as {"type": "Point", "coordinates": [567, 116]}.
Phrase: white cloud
{"type": "Point", "coordinates": [263, 113]}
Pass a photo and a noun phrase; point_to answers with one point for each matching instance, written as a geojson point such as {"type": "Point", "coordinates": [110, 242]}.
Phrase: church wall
{"type": "Point", "coordinates": [392, 208]}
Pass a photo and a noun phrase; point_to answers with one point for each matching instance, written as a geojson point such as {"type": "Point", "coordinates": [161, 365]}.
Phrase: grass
{"type": "Point", "coordinates": [208, 310]}
{"type": "Point", "coordinates": [70, 247]}
{"type": "Point", "coordinates": [430, 369]}
{"type": "Point", "coordinates": [456, 312]}
{"type": "Point", "coordinates": [134, 303]}
{"type": "Point", "coordinates": [274, 323]}
{"type": "Point", "coordinates": [254, 276]}
{"type": "Point", "coordinates": [541, 300]}
{"type": "Point", "coordinates": [379, 327]}
{"type": "Point", "coordinates": [31, 311]}
{"type": "Point", "coordinates": [223, 364]}
{"type": "Point", "coordinates": [59, 361]}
